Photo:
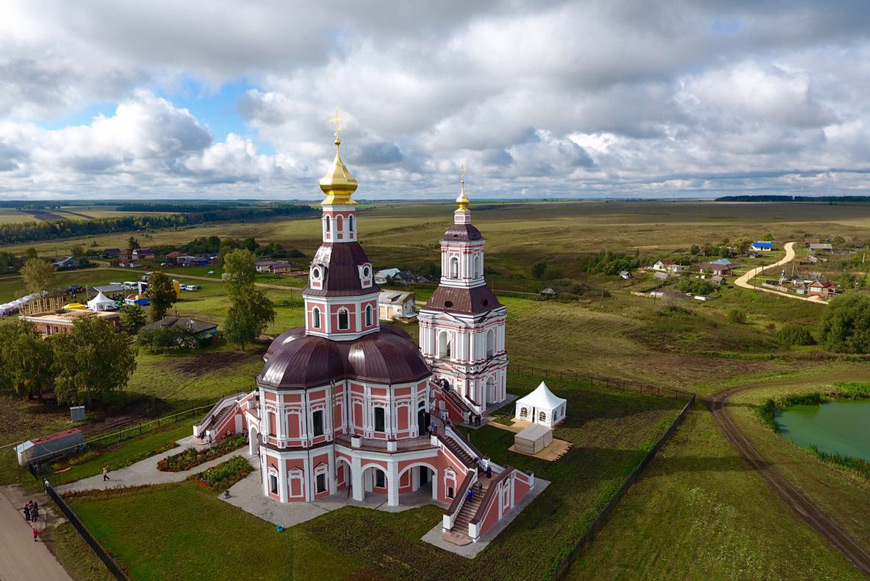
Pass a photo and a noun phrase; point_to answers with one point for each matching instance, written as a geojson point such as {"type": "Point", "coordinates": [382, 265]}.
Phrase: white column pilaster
{"type": "Point", "coordinates": [392, 483]}
{"type": "Point", "coordinates": [356, 479]}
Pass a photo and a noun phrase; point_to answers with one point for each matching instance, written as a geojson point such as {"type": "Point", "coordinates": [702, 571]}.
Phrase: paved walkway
{"type": "Point", "coordinates": [248, 495]}
{"type": "Point", "coordinates": [743, 281]}
{"type": "Point", "coordinates": [20, 558]}
{"type": "Point", "coordinates": [146, 472]}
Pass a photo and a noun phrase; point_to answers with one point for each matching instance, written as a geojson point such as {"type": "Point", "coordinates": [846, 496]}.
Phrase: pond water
{"type": "Point", "coordinates": [838, 427]}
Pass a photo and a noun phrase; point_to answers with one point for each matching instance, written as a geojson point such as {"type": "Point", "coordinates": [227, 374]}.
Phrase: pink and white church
{"type": "Point", "coordinates": [344, 404]}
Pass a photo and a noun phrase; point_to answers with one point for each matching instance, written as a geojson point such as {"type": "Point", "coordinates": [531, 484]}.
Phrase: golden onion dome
{"type": "Point", "coordinates": [338, 184]}
{"type": "Point", "coordinates": [462, 200]}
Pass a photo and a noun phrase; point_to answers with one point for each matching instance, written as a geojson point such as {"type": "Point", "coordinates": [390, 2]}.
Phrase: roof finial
{"type": "Point", "coordinates": [462, 200]}
{"type": "Point", "coordinates": [337, 121]}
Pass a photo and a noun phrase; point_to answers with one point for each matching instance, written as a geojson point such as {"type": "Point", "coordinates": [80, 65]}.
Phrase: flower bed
{"type": "Point", "coordinates": [224, 475]}
{"type": "Point", "coordinates": [193, 457]}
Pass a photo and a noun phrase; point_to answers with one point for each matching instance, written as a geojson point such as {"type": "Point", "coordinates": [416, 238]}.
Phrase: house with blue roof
{"type": "Point", "coordinates": [762, 246]}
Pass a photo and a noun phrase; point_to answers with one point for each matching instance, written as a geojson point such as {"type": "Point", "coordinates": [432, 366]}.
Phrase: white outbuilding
{"type": "Point", "coordinates": [541, 407]}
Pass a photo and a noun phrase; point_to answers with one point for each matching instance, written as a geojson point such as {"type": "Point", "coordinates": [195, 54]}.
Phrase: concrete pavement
{"type": "Point", "coordinates": [20, 558]}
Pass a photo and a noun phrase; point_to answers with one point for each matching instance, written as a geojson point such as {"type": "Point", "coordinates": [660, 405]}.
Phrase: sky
{"type": "Point", "coordinates": [101, 99]}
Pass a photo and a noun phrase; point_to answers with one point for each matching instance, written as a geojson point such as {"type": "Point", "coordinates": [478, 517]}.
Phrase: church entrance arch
{"type": "Point", "coordinates": [375, 479]}
{"type": "Point", "coordinates": [343, 472]}
{"type": "Point", "coordinates": [490, 390]}
{"type": "Point", "coordinates": [253, 441]}
{"type": "Point", "coordinates": [423, 477]}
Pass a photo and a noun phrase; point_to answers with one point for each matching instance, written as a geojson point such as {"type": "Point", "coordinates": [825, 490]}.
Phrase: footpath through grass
{"type": "Point", "coordinates": [700, 512]}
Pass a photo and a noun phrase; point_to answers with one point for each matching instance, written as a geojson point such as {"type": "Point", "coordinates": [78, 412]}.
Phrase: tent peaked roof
{"type": "Point", "coordinates": [100, 299]}
{"type": "Point", "coordinates": [542, 397]}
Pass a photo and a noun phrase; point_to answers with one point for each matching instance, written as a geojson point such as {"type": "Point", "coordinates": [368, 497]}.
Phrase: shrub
{"type": "Point", "coordinates": [736, 316]}
{"type": "Point", "coordinates": [792, 334]}
{"type": "Point", "coordinates": [696, 287]}
{"type": "Point", "coordinates": [851, 390]}
{"type": "Point", "coordinates": [767, 414]}
{"type": "Point", "coordinates": [165, 339]}
{"type": "Point", "coordinates": [224, 475]}
{"type": "Point", "coordinates": [674, 311]}
{"type": "Point", "coordinates": [857, 465]}
{"type": "Point", "coordinates": [846, 323]}
{"type": "Point", "coordinates": [192, 457]}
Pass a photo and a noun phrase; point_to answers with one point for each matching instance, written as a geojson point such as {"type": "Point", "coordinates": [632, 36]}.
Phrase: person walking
{"type": "Point", "coordinates": [26, 513]}
{"type": "Point", "coordinates": [105, 473]}
{"type": "Point", "coordinates": [35, 533]}
{"type": "Point", "coordinates": [489, 471]}
{"type": "Point", "coordinates": [35, 512]}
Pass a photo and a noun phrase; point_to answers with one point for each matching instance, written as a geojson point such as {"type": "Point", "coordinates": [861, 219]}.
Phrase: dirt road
{"type": "Point", "coordinates": [20, 558]}
{"type": "Point", "coordinates": [743, 281]}
{"type": "Point", "coordinates": [104, 266]}
{"type": "Point", "coordinates": [803, 506]}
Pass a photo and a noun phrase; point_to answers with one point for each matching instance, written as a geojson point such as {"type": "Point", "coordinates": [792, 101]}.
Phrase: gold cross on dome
{"type": "Point", "coordinates": [462, 173]}
{"type": "Point", "coordinates": [337, 121]}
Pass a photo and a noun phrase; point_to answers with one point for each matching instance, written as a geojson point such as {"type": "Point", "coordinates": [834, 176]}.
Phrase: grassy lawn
{"type": "Point", "coordinates": [74, 554]}
{"type": "Point", "coordinates": [610, 430]}
{"type": "Point", "coordinates": [181, 532]}
{"type": "Point", "coordinates": [700, 513]}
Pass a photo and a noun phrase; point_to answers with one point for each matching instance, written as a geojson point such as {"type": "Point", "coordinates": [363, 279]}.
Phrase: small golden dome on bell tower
{"type": "Point", "coordinates": [338, 184]}
{"type": "Point", "coordinates": [462, 200]}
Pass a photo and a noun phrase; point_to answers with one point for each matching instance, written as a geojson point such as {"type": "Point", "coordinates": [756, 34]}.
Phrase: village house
{"type": "Point", "coordinates": [174, 255]}
{"type": "Point", "coordinates": [143, 254]}
{"type": "Point", "coordinates": [720, 267]}
{"type": "Point", "coordinates": [669, 266]}
{"type": "Point", "coordinates": [821, 288]}
{"type": "Point", "coordinates": [203, 331]}
{"type": "Point", "coordinates": [821, 248]}
{"type": "Point", "coordinates": [810, 241]}
{"type": "Point", "coordinates": [48, 324]}
{"type": "Point", "coordinates": [384, 276]}
{"type": "Point", "coordinates": [268, 266]}
{"type": "Point", "coordinates": [761, 246]}
{"type": "Point", "coordinates": [110, 253]}
{"type": "Point", "coordinates": [67, 263]}
{"type": "Point", "coordinates": [397, 305]}
{"type": "Point", "coordinates": [549, 293]}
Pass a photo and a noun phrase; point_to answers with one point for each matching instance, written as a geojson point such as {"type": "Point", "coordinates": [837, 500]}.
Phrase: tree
{"type": "Point", "coordinates": [538, 270]}
{"type": "Point", "coordinates": [248, 317]}
{"type": "Point", "coordinates": [846, 323]}
{"type": "Point", "coordinates": [695, 250]}
{"type": "Point", "coordinates": [161, 294]}
{"type": "Point", "coordinates": [78, 251]}
{"type": "Point", "coordinates": [91, 360]}
{"type": "Point", "coordinates": [26, 360]}
{"type": "Point", "coordinates": [30, 253]}
{"type": "Point", "coordinates": [166, 338]}
{"type": "Point", "coordinates": [251, 311]}
{"type": "Point", "coordinates": [132, 318]}
{"type": "Point", "coordinates": [792, 334]}
{"type": "Point", "coordinates": [38, 275]}
{"type": "Point", "coordinates": [742, 245]}
{"type": "Point", "coordinates": [132, 243]}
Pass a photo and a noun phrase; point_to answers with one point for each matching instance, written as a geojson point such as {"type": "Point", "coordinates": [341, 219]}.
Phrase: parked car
{"type": "Point", "coordinates": [211, 272]}
{"type": "Point", "coordinates": [192, 287]}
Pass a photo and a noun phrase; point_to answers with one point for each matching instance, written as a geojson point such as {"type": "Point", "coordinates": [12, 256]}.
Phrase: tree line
{"type": "Point", "coordinates": [35, 231]}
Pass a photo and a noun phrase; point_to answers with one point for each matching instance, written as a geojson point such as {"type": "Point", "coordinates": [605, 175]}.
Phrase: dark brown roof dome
{"type": "Point", "coordinates": [386, 358]}
{"type": "Point", "coordinates": [468, 301]}
{"type": "Point", "coordinates": [299, 361]}
{"type": "Point", "coordinates": [303, 362]}
{"type": "Point", "coordinates": [465, 232]}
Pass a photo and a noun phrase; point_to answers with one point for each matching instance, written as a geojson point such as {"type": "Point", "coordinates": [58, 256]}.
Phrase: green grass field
{"type": "Point", "coordinates": [693, 515]}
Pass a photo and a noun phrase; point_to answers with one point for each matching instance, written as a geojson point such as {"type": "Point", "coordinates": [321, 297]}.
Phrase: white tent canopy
{"type": "Point", "coordinates": [101, 303]}
{"type": "Point", "coordinates": [541, 407]}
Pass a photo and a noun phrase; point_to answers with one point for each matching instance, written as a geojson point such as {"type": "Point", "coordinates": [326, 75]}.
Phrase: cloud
{"type": "Point", "coordinates": [553, 98]}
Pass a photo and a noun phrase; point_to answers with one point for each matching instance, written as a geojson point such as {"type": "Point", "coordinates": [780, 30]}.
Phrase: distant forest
{"type": "Point", "coordinates": [191, 214]}
{"type": "Point", "coordinates": [773, 198]}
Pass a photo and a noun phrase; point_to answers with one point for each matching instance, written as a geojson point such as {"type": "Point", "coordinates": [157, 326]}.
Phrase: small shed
{"type": "Point", "coordinates": [533, 439]}
{"type": "Point", "coordinates": [541, 407]}
{"type": "Point", "coordinates": [49, 447]}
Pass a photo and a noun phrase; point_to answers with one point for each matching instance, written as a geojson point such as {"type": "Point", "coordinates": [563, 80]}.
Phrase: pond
{"type": "Point", "coordinates": [837, 427]}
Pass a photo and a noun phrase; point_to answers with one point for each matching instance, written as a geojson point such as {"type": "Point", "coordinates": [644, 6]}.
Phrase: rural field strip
{"type": "Point", "coordinates": [805, 508]}
{"type": "Point", "coordinates": [205, 278]}
{"type": "Point", "coordinates": [743, 281]}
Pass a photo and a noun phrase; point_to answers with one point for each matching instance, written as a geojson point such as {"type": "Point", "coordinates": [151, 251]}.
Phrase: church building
{"type": "Point", "coordinates": [345, 404]}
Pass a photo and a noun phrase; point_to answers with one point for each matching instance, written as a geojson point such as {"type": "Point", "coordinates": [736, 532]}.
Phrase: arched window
{"type": "Point", "coordinates": [477, 271]}
{"type": "Point", "coordinates": [315, 314]}
{"type": "Point", "coordinates": [328, 224]}
{"type": "Point", "coordinates": [524, 413]}
{"type": "Point", "coordinates": [454, 267]}
{"type": "Point", "coordinates": [542, 417]}
{"type": "Point", "coordinates": [350, 223]}
{"type": "Point", "coordinates": [343, 320]}
{"type": "Point", "coordinates": [444, 344]}
{"type": "Point", "coordinates": [369, 317]}
{"type": "Point", "coordinates": [339, 223]}
{"type": "Point", "coordinates": [490, 343]}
